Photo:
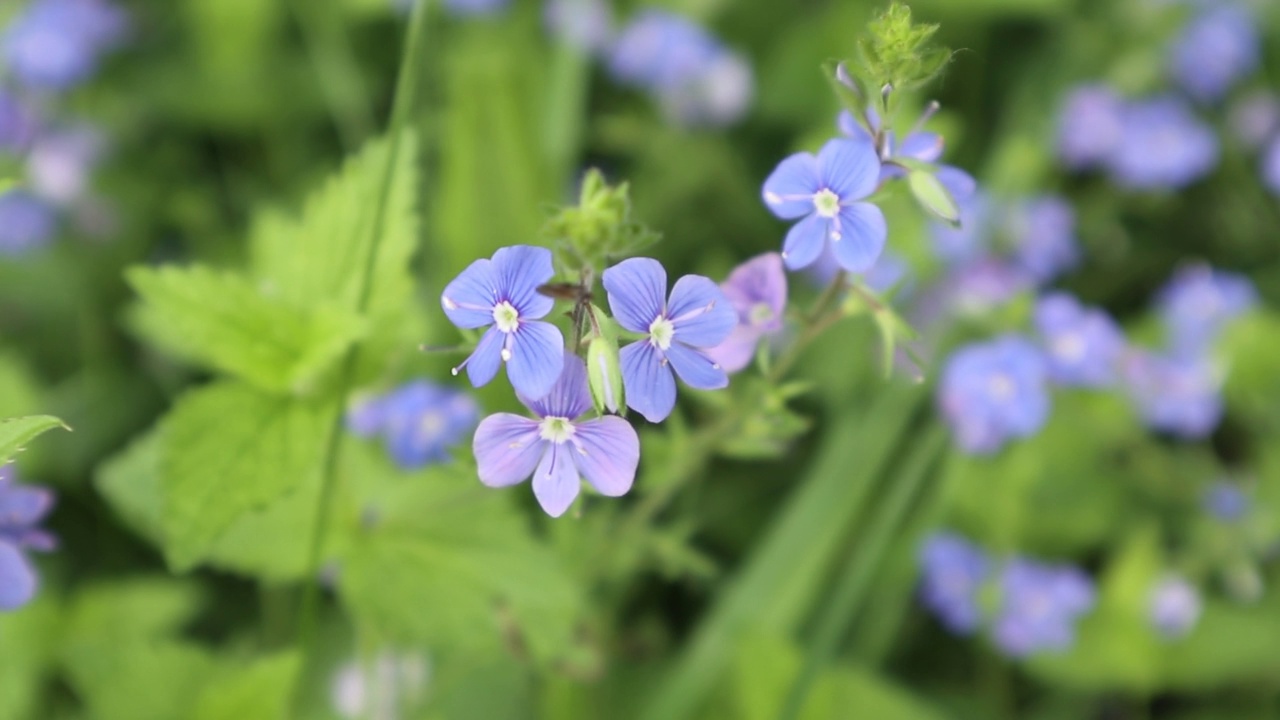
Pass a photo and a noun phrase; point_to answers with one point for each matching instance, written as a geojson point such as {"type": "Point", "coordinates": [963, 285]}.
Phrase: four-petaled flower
{"type": "Point", "coordinates": [993, 391]}
{"type": "Point", "coordinates": [502, 294]}
{"type": "Point", "coordinates": [827, 193]}
{"type": "Point", "coordinates": [419, 421]}
{"type": "Point", "coordinates": [1040, 605]}
{"type": "Point", "coordinates": [559, 448]}
{"type": "Point", "coordinates": [678, 331]}
{"type": "Point", "coordinates": [758, 291]}
{"type": "Point", "coordinates": [22, 507]}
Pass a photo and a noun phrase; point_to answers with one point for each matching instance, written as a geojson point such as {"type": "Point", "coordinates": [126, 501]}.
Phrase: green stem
{"type": "Point", "coordinates": [336, 70]}
{"type": "Point", "coordinates": [821, 316]}
{"type": "Point", "coordinates": [842, 608]}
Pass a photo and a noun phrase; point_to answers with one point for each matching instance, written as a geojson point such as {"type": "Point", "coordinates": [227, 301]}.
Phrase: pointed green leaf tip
{"type": "Point", "coordinates": [598, 227]}
{"type": "Point", "coordinates": [15, 433]}
{"type": "Point", "coordinates": [934, 197]}
{"type": "Point", "coordinates": [897, 53]}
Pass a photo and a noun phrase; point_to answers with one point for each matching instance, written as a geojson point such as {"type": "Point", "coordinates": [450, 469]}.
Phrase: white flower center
{"type": "Point", "coordinates": [760, 313]}
{"type": "Point", "coordinates": [431, 424]}
{"type": "Point", "coordinates": [1069, 347]}
{"type": "Point", "coordinates": [556, 429]}
{"type": "Point", "coordinates": [827, 203]}
{"type": "Point", "coordinates": [506, 317]}
{"type": "Point", "coordinates": [1001, 387]}
{"type": "Point", "coordinates": [661, 331]}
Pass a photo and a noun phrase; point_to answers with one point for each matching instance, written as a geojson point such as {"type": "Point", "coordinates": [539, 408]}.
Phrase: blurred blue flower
{"type": "Point", "coordinates": [419, 421]}
{"type": "Point", "coordinates": [26, 222]}
{"type": "Point", "coordinates": [584, 24]}
{"type": "Point", "coordinates": [1040, 606]}
{"type": "Point", "coordinates": [56, 44]}
{"type": "Point", "coordinates": [502, 294]}
{"type": "Point", "coordinates": [1255, 118]}
{"type": "Point", "coordinates": [1271, 167]}
{"type": "Point", "coordinates": [1174, 606]}
{"type": "Point", "coordinates": [1043, 231]}
{"type": "Point", "coordinates": [678, 333]}
{"type": "Point", "coordinates": [1216, 49]}
{"type": "Point", "coordinates": [993, 391]}
{"type": "Point", "coordinates": [475, 8]}
{"type": "Point", "coordinates": [559, 448]}
{"type": "Point", "coordinates": [1226, 501]}
{"type": "Point", "coordinates": [826, 193]}
{"type": "Point", "coordinates": [1197, 303]}
{"type": "Point", "coordinates": [60, 162]}
{"type": "Point", "coordinates": [22, 508]}
{"type": "Point", "coordinates": [1090, 126]}
{"type": "Point", "coordinates": [1083, 345]}
{"type": "Point", "coordinates": [1180, 395]}
{"type": "Point", "coordinates": [1163, 145]}
{"type": "Point", "coordinates": [954, 572]}
{"type": "Point", "coordinates": [968, 241]}
{"type": "Point", "coordinates": [17, 123]}
{"type": "Point", "coordinates": [978, 287]}
{"type": "Point", "coordinates": [758, 291]}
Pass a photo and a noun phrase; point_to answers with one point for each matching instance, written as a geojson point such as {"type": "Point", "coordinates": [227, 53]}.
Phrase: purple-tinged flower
{"type": "Point", "coordinates": [1179, 395]}
{"type": "Point", "coordinates": [502, 294]}
{"type": "Point", "coordinates": [1174, 606]}
{"type": "Point", "coordinates": [17, 123]}
{"type": "Point", "coordinates": [583, 24]}
{"type": "Point", "coordinates": [55, 44]}
{"type": "Point", "coordinates": [826, 193]}
{"type": "Point", "coordinates": [954, 571]}
{"type": "Point", "coordinates": [919, 145]}
{"type": "Point", "coordinates": [1083, 345]}
{"type": "Point", "coordinates": [1163, 146]}
{"type": "Point", "coordinates": [1040, 605]}
{"type": "Point", "coordinates": [977, 288]}
{"type": "Point", "coordinates": [1255, 118]}
{"type": "Point", "coordinates": [758, 291]}
{"type": "Point", "coordinates": [679, 331]}
{"type": "Point", "coordinates": [719, 95]}
{"type": "Point", "coordinates": [1090, 126]}
{"type": "Point", "coordinates": [1198, 301]}
{"type": "Point", "coordinates": [22, 507]}
{"type": "Point", "coordinates": [1043, 231]}
{"type": "Point", "coordinates": [1226, 501]}
{"type": "Point", "coordinates": [993, 391]}
{"type": "Point", "coordinates": [420, 421]}
{"type": "Point", "coordinates": [61, 162]}
{"type": "Point", "coordinates": [660, 50]}
{"type": "Point", "coordinates": [1271, 167]}
{"type": "Point", "coordinates": [1216, 49]}
{"type": "Point", "coordinates": [26, 222]}
{"type": "Point", "coordinates": [559, 448]}
{"type": "Point", "coordinates": [393, 683]}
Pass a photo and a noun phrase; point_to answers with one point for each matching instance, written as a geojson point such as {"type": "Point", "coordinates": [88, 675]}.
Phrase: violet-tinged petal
{"type": "Point", "coordinates": [637, 290]}
{"type": "Point", "coordinates": [850, 168]}
{"type": "Point", "coordinates": [695, 368]}
{"type": "Point", "coordinates": [23, 505]}
{"type": "Point", "coordinates": [959, 183]}
{"type": "Point", "coordinates": [700, 313]}
{"type": "Point", "coordinates": [469, 299]}
{"type": "Point", "coordinates": [607, 454]}
{"type": "Point", "coordinates": [862, 237]}
{"type": "Point", "coordinates": [507, 448]}
{"type": "Point", "coordinates": [788, 192]}
{"type": "Point", "coordinates": [555, 482]}
{"type": "Point", "coordinates": [485, 360]}
{"type": "Point", "coordinates": [17, 578]}
{"type": "Point", "coordinates": [736, 352]}
{"type": "Point", "coordinates": [922, 146]}
{"type": "Point", "coordinates": [570, 397]}
{"type": "Point", "coordinates": [805, 241]}
{"type": "Point", "coordinates": [651, 389]}
{"type": "Point", "coordinates": [851, 128]}
{"type": "Point", "coordinates": [1271, 167]}
{"type": "Point", "coordinates": [365, 416]}
{"type": "Point", "coordinates": [537, 356]}
{"type": "Point", "coordinates": [758, 291]}
{"type": "Point", "coordinates": [518, 271]}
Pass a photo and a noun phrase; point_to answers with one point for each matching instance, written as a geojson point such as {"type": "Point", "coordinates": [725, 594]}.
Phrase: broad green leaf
{"type": "Point", "coordinates": [260, 691]}
{"type": "Point", "coordinates": [933, 196]}
{"type": "Point", "coordinates": [222, 321]}
{"type": "Point", "coordinates": [130, 481]}
{"type": "Point", "coordinates": [15, 433]}
{"type": "Point", "coordinates": [227, 450]}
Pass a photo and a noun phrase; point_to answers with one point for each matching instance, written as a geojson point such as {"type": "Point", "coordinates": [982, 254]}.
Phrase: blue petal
{"type": "Point", "coordinates": [736, 352]}
{"type": "Point", "coordinates": [805, 241]}
{"type": "Point", "coordinates": [469, 299]}
{"type": "Point", "coordinates": [637, 291]}
{"type": "Point", "coordinates": [851, 128]}
{"type": "Point", "coordinates": [507, 449]}
{"type": "Point", "coordinates": [518, 271]}
{"type": "Point", "coordinates": [569, 397]}
{"type": "Point", "coordinates": [23, 505]}
{"type": "Point", "coordinates": [537, 357]}
{"type": "Point", "coordinates": [607, 453]}
{"type": "Point", "coordinates": [695, 368]}
{"type": "Point", "coordinates": [923, 146]}
{"type": "Point", "coordinates": [17, 579]}
{"type": "Point", "coordinates": [651, 390]}
{"type": "Point", "coordinates": [487, 357]}
{"type": "Point", "coordinates": [788, 192]}
{"type": "Point", "coordinates": [700, 312]}
{"type": "Point", "coordinates": [555, 482]}
{"type": "Point", "coordinates": [862, 236]}
{"type": "Point", "coordinates": [850, 168]}
{"type": "Point", "coordinates": [959, 183]}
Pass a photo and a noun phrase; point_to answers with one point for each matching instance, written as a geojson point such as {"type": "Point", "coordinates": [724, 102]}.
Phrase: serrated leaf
{"type": "Point", "coordinates": [933, 196]}
{"type": "Point", "coordinates": [15, 433]}
{"type": "Point", "coordinates": [222, 321]}
{"type": "Point", "coordinates": [260, 691]}
{"type": "Point", "coordinates": [229, 449]}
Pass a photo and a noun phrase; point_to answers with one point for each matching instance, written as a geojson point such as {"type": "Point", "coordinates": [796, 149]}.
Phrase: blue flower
{"type": "Point", "coordinates": [502, 295]}
{"type": "Point", "coordinates": [1043, 230]}
{"type": "Point", "coordinates": [1174, 606]}
{"type": "Point", "coordinates": [1218, 48]}
{"type": "Point", "coordinates": [1226, 501]}
{"type": "Point", "coordinates": [559, 448]}
{"type": "Point", "coordinates": [1255, 118]}
{"type": "Point", "coordinates": [26, 222]}
{"type": "Point", "coordinates": [758, 291]}
{"type": "Point", "coordinates": [954, 572]}
{"type": "Point", "coordinates": [1180, 395]}
{"type": "Point", "coordinates": [1040, 605]}
{"type": "Point", "coordinates": [993, 391]}
{"type": "Point", "coordinates": [1162, 146]}
{"type": "Point", "coordinates": [827, 192]}
{"type": "Point", "coordinates": [678, 332]}
{"type": "Point", "coordinates": [1198, 302]}
{"type": "Point", "coordinates": [60, 162]}
{"type": "Point", "coordinates": [1083, 346]}
{"type": "Point", "coordinates": [1090, 126]}
{"type": "Point", "coordinates": [55, 44]}
{"type": "Point", "coordinates": [420, 421]}
{"type": "Point", "coordinates": [968, 241]}
{"type": "Point", "coordinates": [1271, 167]}
{"type": "Point", "coordinates": [22, 507]}
{"type": "Point", "coordinates": [17, 123]}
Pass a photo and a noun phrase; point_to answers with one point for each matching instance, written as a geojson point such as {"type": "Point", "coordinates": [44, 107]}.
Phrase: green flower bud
{"type": "Point", "coordinates": [604, 374]}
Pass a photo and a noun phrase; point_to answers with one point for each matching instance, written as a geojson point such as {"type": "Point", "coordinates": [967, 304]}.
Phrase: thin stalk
{"type": "Point", "coordinates": [842, 608]}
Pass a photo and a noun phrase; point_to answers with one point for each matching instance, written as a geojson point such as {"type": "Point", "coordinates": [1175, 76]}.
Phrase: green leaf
{"type": "Point", "coordinates": [933, 196]}
{"type": "Point", "coordinates": [227, 450]}
{"type": "Point", "coordinates": [15, 433]}
{"type": "Point", "coordinates": [260, 691]}
{"type": "Point", "coordinates": [29, 639]}
{"type": "Point", "coordinates": [130, 481]}
{"type": "Point", "coordinates": [222, 321]}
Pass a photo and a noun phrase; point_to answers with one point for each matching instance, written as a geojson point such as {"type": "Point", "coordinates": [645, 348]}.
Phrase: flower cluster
{"type": "Point", "coordinates": [419, 421]}
{"type": "Point", "coordinates": [22, 508]}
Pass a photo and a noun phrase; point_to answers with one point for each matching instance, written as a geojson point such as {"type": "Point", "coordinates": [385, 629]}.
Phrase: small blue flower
{"type": "Point", "coordinates": [17, 123]}
{"type": "Point", "coordinates": [1040, 606]}
{"type": "Point", "coordinates": [993, 391]}
{"type": "Point", "coordinates": [1083, 346]}
{"type": "Point", "coordinates": [420, 421]}
{"type": "Point", "coordinates": [60, 162]}
{"type": "Point", "coordinates": [1226, 501]}
{"type": "Point", "coordinates": [1043, 230]}
{"type": "Point", "coordinates": [1218, 48]}
{"type": "Point", "coordinates": [954, 572]}
{"type": "Point", "coordinates": [1255, 118]}
{"type": "Point", "coordinates": [26, 222]}
{"type": "Point", "coordinates": [1174, 606]}
{"type": "Point", "coordinates": [502, 295]}
{"type": "Point", "coordinates": [758, 291]}
{"type": "Point", "coordinates": [678, 332]}
{"type": "Point", "coordinates": [22, 508]}
{"type": "Point", "coordinates": [1271, 167]}
{"type": "Point", "coordinates": [1198, 302]}
{"type": "Point", "coordinates": [827, 194]}
{"type": "Point", "coordinates": [1090, 126]}
{"type": "Point", "coordinates": [55, 44]}
{"type": "Point", "coordinates": [1179, 395]}
{"type": "Point", "coordinates": [1163, 146]}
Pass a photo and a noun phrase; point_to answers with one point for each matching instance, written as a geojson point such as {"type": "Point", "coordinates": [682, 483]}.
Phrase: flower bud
{"type": "Point", "coordinates": [604, 374]}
